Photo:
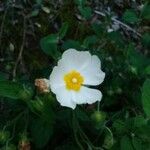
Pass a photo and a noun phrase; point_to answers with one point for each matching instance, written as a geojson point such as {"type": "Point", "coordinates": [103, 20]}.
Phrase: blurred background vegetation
{"type": "Point", "coordinates": [34, 34]}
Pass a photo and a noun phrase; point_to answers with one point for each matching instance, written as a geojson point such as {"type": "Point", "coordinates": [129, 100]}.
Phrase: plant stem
{"type": "Point", "coordinates": [98, 106]}
{"type": "Point", "coordinates": [84, 136]}
{"type": "Point", "coordinates": [74, 123]}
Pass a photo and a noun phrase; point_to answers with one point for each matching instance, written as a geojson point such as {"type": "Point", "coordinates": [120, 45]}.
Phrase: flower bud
{"type": "Point", "coordinates": [24, 143]}
{"type": "Point", "coordinates": [42, 85]}
{"type": "Point", "coordinates": [98, 117]}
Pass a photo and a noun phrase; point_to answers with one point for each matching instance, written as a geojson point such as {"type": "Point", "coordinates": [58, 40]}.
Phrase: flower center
{"type": "Point", "coordinates": [73, 80]}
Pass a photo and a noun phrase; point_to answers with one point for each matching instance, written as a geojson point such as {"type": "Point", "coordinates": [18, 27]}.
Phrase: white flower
{"type": "Point", "coordinates": [74, 72]}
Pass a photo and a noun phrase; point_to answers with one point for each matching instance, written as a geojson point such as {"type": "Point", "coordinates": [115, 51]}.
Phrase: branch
{"type": "Point", "coordinates": [119, 22]}
{"type": "Point", "coordinates": [21, 49]}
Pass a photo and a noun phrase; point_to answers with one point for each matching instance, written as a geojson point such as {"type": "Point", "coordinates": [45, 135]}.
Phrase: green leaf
{"type": "Point", "coordinates": [86, 12]}
{"type": "Point", "coordinates": [139, 121]}
{"type": "Point", "coordinates": [137, 144]}
{"type": "Point", "coordinates": [43, 107]}
{"type": "Point", "coordinates": [130, 17]}
{"type": "Point", "coordinates": [126, 143]}
{"type": "Point", "coordinates": [119, 127]}
{"type": "Point", "coordinates": [47, 112]}
{"type": "Point", "coordinates": [63, 30]}
{"type": "Point", "coordinates": [116, 146]}
{"type": "Point", "coordinates": [71, 44]}
{"type": "Point", "coordinates": [90, 40]}
{"type": "Point", "coordinates": [116, 38]}
{"type": "Point", "coordinates": [98, 29]}
{"type": "Point", "coordinates": [145, 13]}
{"type": "Point", "coordinates": [136, 59]}
{"type": "Point", "coordinates": [143, 133]}
{"type": "Point", "coordinates": [80, 2]}
{"type": "Point", "coordinates": [108, 140]}
{"type": "Point", "coordinates": [14, 90]}
{"type": "Point", "coordinates": [146, 97]}
{"type": "Point", "coordinates": [49, 46]}
{"type": "Point", "coordinates": [147, 70]}
{"type": "Point", "coordinates": [41, 131]}
{"type": "Point", "coordinates": [34, 13]}
{"type": "Point", "coordinates": [3, 76]}
{"type": "Point", "coordinates": [146, 39]}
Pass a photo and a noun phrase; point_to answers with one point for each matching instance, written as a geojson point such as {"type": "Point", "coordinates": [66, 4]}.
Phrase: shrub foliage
{"type": "Point", "coordinates": [34, 34]}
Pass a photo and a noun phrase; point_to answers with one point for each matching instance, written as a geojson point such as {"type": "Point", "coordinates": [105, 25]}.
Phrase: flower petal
{"type": "Point", "coordinates": [93, 75]}
{"type": "Point", "coordinates": [56, 78]}
{"type": "Point", "coordinates": [87, 95]}
{"type": "Point", "coordinates": [88, 66]}
{"type": "Point", "coordinates": [74, 60]}
{"type": "Point", "coordinates": [64, 97]}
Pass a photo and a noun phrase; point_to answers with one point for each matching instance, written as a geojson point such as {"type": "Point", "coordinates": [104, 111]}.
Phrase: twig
{"type": "Point", "coordinates": [21, 49]}
{"type": "Point", "coordinates": [119, 22]}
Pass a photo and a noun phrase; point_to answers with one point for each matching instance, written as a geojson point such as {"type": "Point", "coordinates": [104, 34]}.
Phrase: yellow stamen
{"type": "Point", "coordinates": [73, 80]}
